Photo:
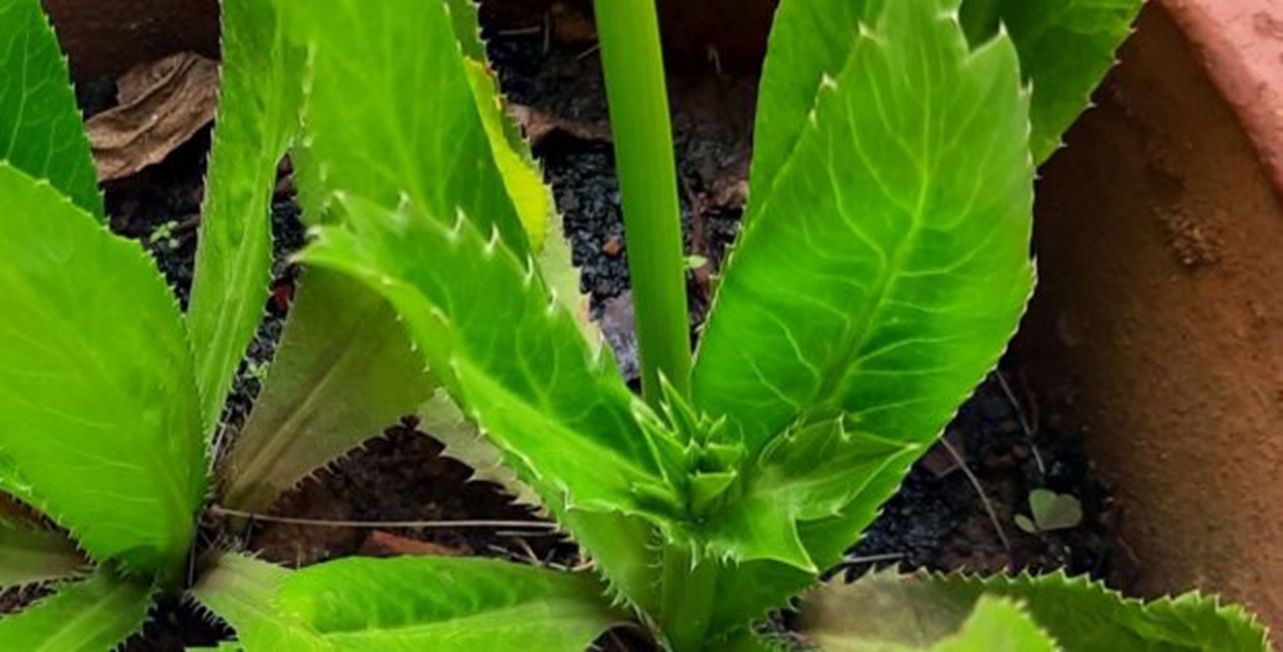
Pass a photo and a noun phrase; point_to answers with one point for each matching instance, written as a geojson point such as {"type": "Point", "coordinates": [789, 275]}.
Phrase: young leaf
{"type": "Point", "coordinates": [509, 353]}
{"type": "Point", "coordinates": [994, 625]}
{"type": "Point", "coordinates": [258, 117]}
{"type": "Point", "coordinates": [243, 592]}
{"type": "Point", "coordinates": [1081, 615]}
{"type": "Point", "coordinates": [40, 128]}
{"type": "Point", "coordinates": [90, 615]}
{"type": "Point", "coordinates": [343, 372]}
{"type": "Point", "coordinates": [811, 473]}
{"type": "Point", "coordinates": [1066, 47]}
{"type": "Point", "coordinates": [98, 410]}
{"type": "Point", "coordinates": [447, 604]}
{"type": "Point", "coordinates": [1051, 511]}
{"type": "Point", "coordinates": [29, 555]}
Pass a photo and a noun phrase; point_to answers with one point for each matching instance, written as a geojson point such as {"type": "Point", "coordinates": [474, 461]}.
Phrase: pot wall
{"type": "Point", "coordinates": [1160, 317]}
{"type": "Point", "coordinates": [111, 36]}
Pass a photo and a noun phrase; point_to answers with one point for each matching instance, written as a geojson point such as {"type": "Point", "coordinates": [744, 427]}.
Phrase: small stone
{"type": "Point", "coordinates": [617, 325]}
{"type": "Point", "coordinates": [613, 247]}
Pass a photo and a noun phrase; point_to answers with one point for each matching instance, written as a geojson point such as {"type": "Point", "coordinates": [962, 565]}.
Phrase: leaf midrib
{"type": "Point", "coordinates": [527, 614]}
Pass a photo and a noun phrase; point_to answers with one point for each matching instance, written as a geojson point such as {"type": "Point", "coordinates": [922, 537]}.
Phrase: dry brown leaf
{"type": "Point", "coordinates": [161, 106]}
{"type": "Point", "coordinates": [386, 544]}
{"type": "Point", "coordinates": [538, 124]}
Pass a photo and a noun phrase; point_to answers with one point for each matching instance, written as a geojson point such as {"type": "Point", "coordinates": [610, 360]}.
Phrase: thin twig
{"type": "Point", "coordinates": [547, 32]}
{"type": "Point", "coordinates": [984, 499]}
{"type": "Point", "coordinates": [1024, 421]}
{"type": "Point", "coordinates": [528, 551]}
{"type": "Point", "coordinates": [521, 31]}
{"type": "Point", "coordinates": [383, 525]}
{"type": "Point", "coordinates": [527, 533]}
{"type": "Point", "coordinates": [874, 559]}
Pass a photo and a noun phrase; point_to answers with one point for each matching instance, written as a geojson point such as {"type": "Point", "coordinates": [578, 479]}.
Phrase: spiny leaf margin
{"type": "Point", "coordinates": [98, 416]}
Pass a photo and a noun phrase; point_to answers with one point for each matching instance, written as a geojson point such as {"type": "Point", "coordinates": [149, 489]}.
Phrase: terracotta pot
{"type": "Point", "coordinates": [731, 32]}
{"type": "Point", "coordinates": [111, 36]}
{"type": "Point", "coordinates": [1160, 308]}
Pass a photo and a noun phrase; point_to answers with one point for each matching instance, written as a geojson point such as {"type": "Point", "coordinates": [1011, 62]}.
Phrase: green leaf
{"type": "Point", "coordinates": [311, 412]}
{"type": "Point", "coordinates": [509, 353]}
{"type": "Point", "coordinates": [343, 372]}
{"type": "Point", "coordinates": [514, 358]}
{"type": "Point", "coordinates": [40, 128]}
{"type": "Point", "coordinates": [391, 112]}
{"type": "Point", "coordinates": [98, 409]}
{"type": "Point", "coordinates": [1081, 615]}
{"type": "Point", "coordinates": [870, 292]}
{"type": "Point", "coordinates": [521, 175]}
{"type": "Point", "coordinates": [441, 417]}
{"type": "Point", "coordinates": [243, 592]}
{"type": "Point", "coordinates": [883, 276]}
{"type": "Point", "coordinates": [90, 615]}
{"type": "Point", "coordinates": [1066, 47]}
{"type": "Point", "coordinates": [746, 640]}
{"type": "Point", "coordinates": [998, 625]}
{"type": "Point", "coordinates": [444, 604]}
{"type": "Point", "coordinates": [994, 625]}
{"type": "Point", "coordinates": [423, 139]}
{"type": "Point", "coordinates": [30, 555]}
{"type": "Point", "coordinates": [467, 28]}
{"type": "Point", "coordinates": [258, 117]}
{"type": "Point", "coordinates": [809, 39]}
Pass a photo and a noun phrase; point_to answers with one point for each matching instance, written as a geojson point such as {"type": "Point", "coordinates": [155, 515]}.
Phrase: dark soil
{"type": "Point", "coordinates": [938, 520]}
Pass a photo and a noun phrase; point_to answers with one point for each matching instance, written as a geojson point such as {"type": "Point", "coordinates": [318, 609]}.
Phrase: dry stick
{"type": "Point", "coordinates": [1024, 421]}
{"type": "Point", "coordinates": [547, 32]}
{"type": "Point", "coordinates": [984, 499]}
{"type": "Point", "coordinates": [379, 525]}
{"type": "Point", "coordinates": [521, 31]}
{"type": "Point", "coordinates": [874, 559]}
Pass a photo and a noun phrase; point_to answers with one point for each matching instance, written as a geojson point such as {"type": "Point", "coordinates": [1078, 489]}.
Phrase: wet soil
{"type": "Point", "coordinates": [953, 511]}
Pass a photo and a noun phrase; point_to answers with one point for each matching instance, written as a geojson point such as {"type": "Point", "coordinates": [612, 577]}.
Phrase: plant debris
{"type": "Point", "coordinates": [161, 105]}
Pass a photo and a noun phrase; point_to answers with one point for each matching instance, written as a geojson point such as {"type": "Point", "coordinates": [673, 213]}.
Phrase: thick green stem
{"type": "Point", "coordinates": [688, 591]}
{"type": "Point", "coordinates": [644, 159]}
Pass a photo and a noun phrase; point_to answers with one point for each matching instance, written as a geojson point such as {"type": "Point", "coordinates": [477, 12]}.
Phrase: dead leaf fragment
{"type": "Point", "coordinates": [161, 106]}
{"type": "Point", "coordinates": [538, 124]}
{"type": "Point", "coordinates": [386, 544]}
